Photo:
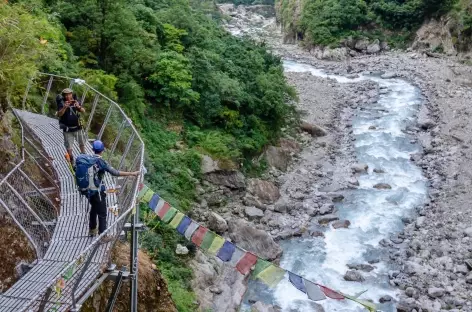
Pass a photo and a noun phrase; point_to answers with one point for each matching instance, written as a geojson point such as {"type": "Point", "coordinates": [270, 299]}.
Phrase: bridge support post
{"type": "Point", "coordinates": [134, 261]}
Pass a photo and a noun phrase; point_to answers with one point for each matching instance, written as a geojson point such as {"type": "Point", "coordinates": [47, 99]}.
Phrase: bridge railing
{"type": "Point", "coordinates": [29, 190]}
{"type": "Point", "coordinates": [105, 120]}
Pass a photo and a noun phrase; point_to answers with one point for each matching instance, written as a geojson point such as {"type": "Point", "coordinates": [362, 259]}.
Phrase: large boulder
{"type": "Point", "coordinates": [217, 223]}
{"type": "Point", "coordinates": [262, 307]}
{"type": "Point", "coordinates": [374, 47]}
{"type": "Point", "coordinates": [353, 276]}
{"type": "Point", "coordinates": [314, 130]}
{"type": "Point", "coordinates": [290, 146]}
{"type": "Point", "coordinates": [231, 179]}
{"type": "Point", "coordinates": [361, 45]}
{"type": "Point", "coordinates": [259, 242]}
{"type": "Point", "coordinates": [382, 186]}
{"type": "Point", "coordinates": [277, 157]}
{"type": "Point", "coordinates": [209, 165]}
{"type": "Point", "coordinates": [359, 168]}
{"type": "Point", "coordinates": [266, 191]}
{"type": "Point", "coordinates": [253, 213]}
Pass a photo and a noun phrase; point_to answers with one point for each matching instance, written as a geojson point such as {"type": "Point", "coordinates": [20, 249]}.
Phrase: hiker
{"type": "Point", "coordinates": [68, 111]}
{"type": "Point", "coordinates": [90, 171]}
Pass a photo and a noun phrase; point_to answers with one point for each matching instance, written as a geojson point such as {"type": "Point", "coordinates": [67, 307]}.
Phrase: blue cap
{"type": "Point", "coordinates": [98, 146]}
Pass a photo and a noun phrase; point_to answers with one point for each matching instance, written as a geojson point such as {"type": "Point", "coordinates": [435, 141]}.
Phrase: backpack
{"type": "Point", "coordinates": [86, 174]}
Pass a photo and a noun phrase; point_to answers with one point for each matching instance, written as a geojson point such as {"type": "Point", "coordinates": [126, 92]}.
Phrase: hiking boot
{"type": "Point", "coordinates": [93, 232]}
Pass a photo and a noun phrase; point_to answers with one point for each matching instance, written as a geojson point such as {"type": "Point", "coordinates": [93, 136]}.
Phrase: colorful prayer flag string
{"type": "Point", "coordinates": [243, 261]}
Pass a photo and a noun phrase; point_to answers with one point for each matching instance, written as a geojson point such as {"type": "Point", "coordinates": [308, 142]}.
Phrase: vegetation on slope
{"type": "Point", "coordinates": [189, 87]}
{"type": "Point", "coordinates": [328, 22]}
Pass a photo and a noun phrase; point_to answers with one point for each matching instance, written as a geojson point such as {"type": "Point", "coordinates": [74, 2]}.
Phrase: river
{"type": "Point", "coordinates": [374, 214]}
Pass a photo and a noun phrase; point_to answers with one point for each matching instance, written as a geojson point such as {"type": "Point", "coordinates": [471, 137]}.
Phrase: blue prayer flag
{"type": "Point", "coordinates": [226, 252]}
{"type": "Point", "coordinates": [296, 281]}
{"type": "Point", "coordinates": [153, 202]}
{"type": "Point", "coordinates": [184, 225]}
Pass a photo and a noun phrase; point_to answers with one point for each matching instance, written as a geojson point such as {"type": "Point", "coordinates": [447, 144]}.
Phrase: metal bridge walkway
{"type": "Point", "coordinates": [73, 261]}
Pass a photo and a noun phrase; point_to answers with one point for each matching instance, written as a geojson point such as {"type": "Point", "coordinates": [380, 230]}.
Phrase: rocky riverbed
{"type": "Point", "coordinates": [431, 257]}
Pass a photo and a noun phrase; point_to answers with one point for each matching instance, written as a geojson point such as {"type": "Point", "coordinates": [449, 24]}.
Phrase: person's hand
{"type": "Point", "coordinates": [136, 173]}
{"type": "Point", "coordinates": [67, 104]}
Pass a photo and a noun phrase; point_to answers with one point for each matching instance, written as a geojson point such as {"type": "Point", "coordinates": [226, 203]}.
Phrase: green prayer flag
{"type": "Point", "coordinates": [207, 240]}
{"type": "Point", "coordinates": [142, 192]}
{"type": "Point", "coordinates": [169, 215]}
{"type": "Point", "coordinates": [260, 266]}
{"type": "Point", "coordinates": [177, 219]}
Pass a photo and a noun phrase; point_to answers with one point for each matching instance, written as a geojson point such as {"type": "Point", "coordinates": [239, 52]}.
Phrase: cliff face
{"type": "Point", "coordinates": [152, 289]}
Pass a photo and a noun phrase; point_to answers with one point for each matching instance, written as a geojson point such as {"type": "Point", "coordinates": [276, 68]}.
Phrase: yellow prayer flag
{"type": "Point", "coordinates": [147, 196]}
{"type": "Point", "coordinates": [177, 219]}
{"type": "Point", "coordinates": [216, 245]}
{"type": "Point", "coordinates": [272, 275]}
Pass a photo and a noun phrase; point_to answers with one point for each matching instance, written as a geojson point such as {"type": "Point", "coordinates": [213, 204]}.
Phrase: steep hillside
{"type": "Point", "coordinates": [336, 23]}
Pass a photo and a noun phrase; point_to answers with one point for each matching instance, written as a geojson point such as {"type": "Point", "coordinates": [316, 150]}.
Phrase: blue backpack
{"type": "Point", "coordinates": [86, 174]}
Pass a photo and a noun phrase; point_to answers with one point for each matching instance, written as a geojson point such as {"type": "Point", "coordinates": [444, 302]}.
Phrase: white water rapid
{"type": "Point", "coordinates": [374, 214]}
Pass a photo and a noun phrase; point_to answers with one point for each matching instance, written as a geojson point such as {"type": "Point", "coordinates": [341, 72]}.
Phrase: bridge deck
{"type": "Point", "coordinates": [70, 237]}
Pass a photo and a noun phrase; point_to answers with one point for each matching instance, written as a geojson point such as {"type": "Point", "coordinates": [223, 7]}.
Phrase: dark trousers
{"type": "Point", "coordinates": [99, 208]}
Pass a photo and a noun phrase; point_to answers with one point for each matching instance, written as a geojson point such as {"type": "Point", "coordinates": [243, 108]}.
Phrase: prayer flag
{"type": "Point", "coordinates": [162, 212]}
{"type": "Point", "coordinates": [143, 191]}
{"type": "Point", "coordinates": [272, 275]}
{"type": "Point", "coordinates": [147, 196]}
{"type": "Point", "coordinates": [237, 255]}
{"type": "Point", "coordinates": [261, 265]}
{"type": "Point", "coordinates": [169, 215]}
{"type": "Point", "coordinates": [176, 221]}
{"type": "Point", "coordinates": [191, 229]}
{"type": "Point", "coordinates": [296, 281]}
{"type": "Point", "coordinates": [245, 264]}
{"type": "Point", "coordinates": [184, 225]}
{"type": "Point", "coordinates": [331, 293]}
{"type": "Point", "coordinates": [198, 236]}
{"type": "Point", "coordinates": [159, 206]}
{"type": "Point", "coordinates": [313, 291]}
{"type": "Point", "coordinates": [153, 202]}
{"type": "Point", "coordinates": [207, 240]}
{"type": "Point", "coordinates": [216, 245]}
{"type": "Point", "coordinates": [226, 252]}
{"type": "Point", "coordinates": [367, 304]}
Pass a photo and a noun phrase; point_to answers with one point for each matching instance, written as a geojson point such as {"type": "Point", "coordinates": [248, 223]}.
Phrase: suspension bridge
{"type": "Point", "coordinates": [38, 194]}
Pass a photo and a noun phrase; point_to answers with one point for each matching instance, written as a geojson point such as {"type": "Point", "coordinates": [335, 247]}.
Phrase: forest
{"type": "Point", "coordinates": [190, 88]}
{"type": "Point", "coordinates": [328, 22]}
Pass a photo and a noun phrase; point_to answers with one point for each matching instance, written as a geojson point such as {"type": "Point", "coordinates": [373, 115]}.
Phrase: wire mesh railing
{"type": "Point", "coordinates": [22, 189]}
{"type": "Point", "coordinates": [105, 120]}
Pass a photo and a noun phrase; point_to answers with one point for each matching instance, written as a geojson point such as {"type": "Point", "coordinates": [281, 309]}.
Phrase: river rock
{"type": "Point", "coordinates": [327, 219]}
{"type": "Point", "coordinates": [266, 191]}
{"type": "Point", "coordinates": [209, 165]}
{"type": "Point", "coordinates": [385, 298]}
{"type": "Point", "coordinates": [251, 201]}
{"type": "Point", "coordinates": [231, 179]}
{"type": "Point", "coordinates": [361, 45]}
{"type": "Point", "coordinates": [374, 47]}
{"type": "Point", "coordinates": [468, 232]}
{"type": "Point", "coordinates": [326, 208]}
{"type": "Point", "coordinates": [426, 124]}
{"type": "Point", "coordinates": [382, 186]}
{"type": "Point", "coordinates": [360, 267]}
{"type": "Point", "coordinates": [314, 130]}
{"type": "Point", "coordinates": [353, 276]}
{"type": "Point", "coordinates": [341, 224]}
{"type": "Point", "coordinates": [277, 157]}
{"type": "Point", "coordinates": [468, 279]}
{"type": "Point", "coordinates": [254, 240]}
{"type": "Point", "coordinates": [253, 213]}
{"type": "Point", "coordinates": [378, 170]}
{"type": "Point", "coordinates": [181, 250]}
{"type": "Point", "coordinates": [411, 292]}
{"type": "Point", "coordinates": [283, 205]}
{"type": "Point", "coordinates": [388, 76]}
{"type": "Point", "coordinates": [217, 223]}
{"type": "Point", "coordinates": [435, 292]}
{"type": "Point", "coordinates": [290, 146]}
{"type": "Point", "coordinates": [261, 307]}
{"type": "Point", "coordinates": [360, 168]}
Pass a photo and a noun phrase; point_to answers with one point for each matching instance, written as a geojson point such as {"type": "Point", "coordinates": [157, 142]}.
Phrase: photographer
{"type": "Point", "coordinates": [68, 111]}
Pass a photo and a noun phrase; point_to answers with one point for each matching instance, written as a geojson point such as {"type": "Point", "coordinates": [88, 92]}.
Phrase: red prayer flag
{"type": "Point", "coordinates": [198, 236]}
{"type": "Point", "coordinates": [331, 293]}
{"type": "Point", "coordinates": [162, 212]}
{"type": "Point", "coordinates": [246, 263]}
{"type": "Point", "coordinates": [140, 187]}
